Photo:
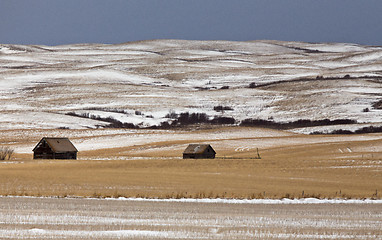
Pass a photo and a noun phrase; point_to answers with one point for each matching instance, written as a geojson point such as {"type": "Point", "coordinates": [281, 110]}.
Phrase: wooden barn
{"type": "Point", "coordinates": [55, 148]}
{"type": "Point", "coordinates": [199, 151]}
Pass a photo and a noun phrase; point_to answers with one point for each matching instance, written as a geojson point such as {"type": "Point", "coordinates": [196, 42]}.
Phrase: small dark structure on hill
{"type": "Point", "coordinates": [55, 148]}
{"type": "Point", "coordinates": [199, 151]}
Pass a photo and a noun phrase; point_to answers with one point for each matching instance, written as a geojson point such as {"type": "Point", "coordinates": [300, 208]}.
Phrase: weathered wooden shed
{"type": "Point", "coordinates": [199, 151]}
{"type": "Point", "coordinates": [55, 148]}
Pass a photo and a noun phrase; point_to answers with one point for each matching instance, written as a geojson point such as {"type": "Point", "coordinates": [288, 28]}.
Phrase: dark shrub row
{"type": "Point", "coordinates": [105, 109]}
{"type": "Point", "coordinates": [187, 118]}
{"type": "Point", "coordinates": [306, 79]}
{"type": "Point", "coordinates": [377, 105]}
{"type": "Point", "coordinates": [180, 120]}
{"type": "Point", "coordinates": [113, 123]}
{"type": "Point", "coordinates": [295, 124]}
{"type": "Point", "coordinates": [223, 120]}
{"type": "Point", "coordinates": [307, 50]}
{"type": "Point", "coordinates": [222, 108]}
{"type": "Point", "coordinates": [370, 129]}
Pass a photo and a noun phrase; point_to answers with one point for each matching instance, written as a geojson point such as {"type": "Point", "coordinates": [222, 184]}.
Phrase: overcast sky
{"type": "Point", "coordinates": [55, 22]}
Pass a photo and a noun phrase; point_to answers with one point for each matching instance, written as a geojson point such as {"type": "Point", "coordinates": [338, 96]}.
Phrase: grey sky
{"type": "Point", "coordinates": [54, 22]}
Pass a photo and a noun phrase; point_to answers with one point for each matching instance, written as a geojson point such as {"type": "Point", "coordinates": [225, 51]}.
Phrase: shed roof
{"type": "Point", "coordinates": [58, 144]}
{"type": "Point", "coordinates": [197, 148]}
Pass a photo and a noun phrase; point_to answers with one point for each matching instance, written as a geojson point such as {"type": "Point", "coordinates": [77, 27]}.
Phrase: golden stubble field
{"type": "Point", "coordinates": [140, 163]}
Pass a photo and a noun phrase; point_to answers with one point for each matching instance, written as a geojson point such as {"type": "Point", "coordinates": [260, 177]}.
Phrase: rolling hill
{"type": "Point", "coordinates": [147, 83]}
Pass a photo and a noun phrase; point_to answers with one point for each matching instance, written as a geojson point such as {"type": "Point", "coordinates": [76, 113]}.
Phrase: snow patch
{"type": "Point", "coordinates": [258, 201]}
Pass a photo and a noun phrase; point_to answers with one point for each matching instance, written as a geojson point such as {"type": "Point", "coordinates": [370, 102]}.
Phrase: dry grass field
{"type": "Point", "coordinates": [144, 165]}
{"type": "Point", "coordinates": [148, 83]}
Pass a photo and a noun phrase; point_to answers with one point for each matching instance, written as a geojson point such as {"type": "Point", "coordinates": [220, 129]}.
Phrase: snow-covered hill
{"type": "Point", "coordinates": [141, 82]}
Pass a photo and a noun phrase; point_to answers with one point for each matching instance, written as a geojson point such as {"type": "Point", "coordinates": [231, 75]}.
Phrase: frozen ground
{"type": "Point", "coordinates": [141, 82]}
{"type": "Point", "coordinates": [45, 218]}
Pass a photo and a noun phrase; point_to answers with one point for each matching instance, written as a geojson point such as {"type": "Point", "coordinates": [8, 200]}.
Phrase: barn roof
{"type": "Point", "coordinates": [197, 148]}
{"type": "Point", "coordinates": [58, 144]}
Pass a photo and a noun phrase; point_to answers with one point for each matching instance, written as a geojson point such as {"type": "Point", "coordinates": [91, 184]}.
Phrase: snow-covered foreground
{"type": "Point", "coordinates": [257, 201]}
{"type": "Point", "coordinates": [50, 218]}
{"type": "Point", "coordinates": [141, 82]}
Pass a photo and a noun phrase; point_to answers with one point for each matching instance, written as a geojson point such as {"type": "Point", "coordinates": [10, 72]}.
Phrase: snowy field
{"type": "Point", "coordinates": [147, 83]}
{"type": "Point", "coordinates": [49, 218]}
{"type": "Point", "coordinates": [141, 82]}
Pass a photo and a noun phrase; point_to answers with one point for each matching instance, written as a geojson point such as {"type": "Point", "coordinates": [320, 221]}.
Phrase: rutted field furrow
{"type": "Point", "coordinates": [25, 218]}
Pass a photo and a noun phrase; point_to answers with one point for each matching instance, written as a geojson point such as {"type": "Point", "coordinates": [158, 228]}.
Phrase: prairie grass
{"type": "Point", "coordinates": [290, 167]}
{"type": "Point", "coordinates": [174, 178]}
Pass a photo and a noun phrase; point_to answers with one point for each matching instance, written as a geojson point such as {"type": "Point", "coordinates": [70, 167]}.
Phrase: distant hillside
{"type": "Point", "coordinates": [150, 83]}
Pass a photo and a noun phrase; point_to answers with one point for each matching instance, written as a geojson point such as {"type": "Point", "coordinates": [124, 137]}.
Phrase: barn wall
{"type": "Point", "coordinates": [47, 153]}
{"type": "Point", "coordinates": [42, 155]}
{"type": "Point", "coordinates": [43, 152]}
{"type": "Point", "coordinates": [66, 155]}
{"type": "Point", "coordinates": [198, 156]}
